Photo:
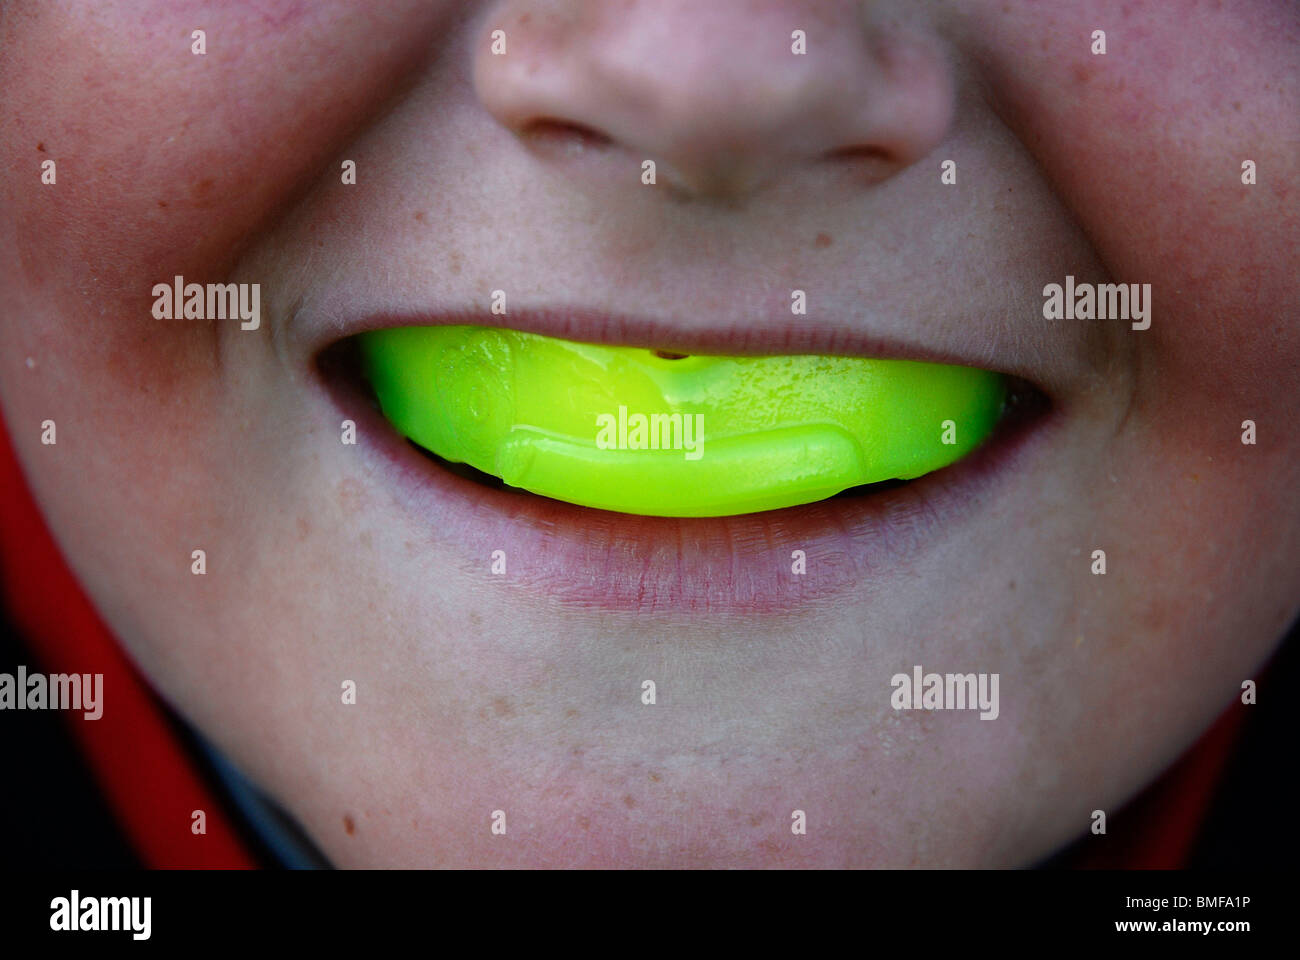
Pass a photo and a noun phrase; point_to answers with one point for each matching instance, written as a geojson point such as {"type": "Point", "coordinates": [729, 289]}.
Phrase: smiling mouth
{"type": "Point", "coordinates": [660, 433]}
{"type": "Point", "coordinates": [628, 527]}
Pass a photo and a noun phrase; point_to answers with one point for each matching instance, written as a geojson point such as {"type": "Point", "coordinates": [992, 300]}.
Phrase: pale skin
{"type": "Point", "coordinates": [476, 693]}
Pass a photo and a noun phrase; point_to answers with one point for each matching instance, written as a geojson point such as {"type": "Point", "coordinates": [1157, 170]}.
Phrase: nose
{"type": "Point", "coordinates": [717, 94]}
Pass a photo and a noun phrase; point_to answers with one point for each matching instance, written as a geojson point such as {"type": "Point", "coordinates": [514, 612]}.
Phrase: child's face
{"type": "Point", "coordinates": [522, 691]}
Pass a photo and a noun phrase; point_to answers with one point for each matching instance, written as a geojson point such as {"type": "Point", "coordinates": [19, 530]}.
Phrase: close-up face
{"type": "Point", "coordinates": [427, 667]}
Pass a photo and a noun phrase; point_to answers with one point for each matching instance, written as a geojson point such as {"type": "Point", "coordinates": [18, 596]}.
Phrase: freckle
{"type": "Point", "coordinates": [366, 539]}
{"type": "Point", "coordinates": [570, 714]}
{"type": "Point", "coordinates": [756, 818]}
{"type": "Point", "coordinates": [501, 707]}
{"type": "Point", "coordinates": [584, 822]}
{"type": "Point", "coordinates": [162, 203]}
{"type": "Point", "coordinates": [454, 261]}
{"type": "Point", "coordinates": [351, 496]}
{"type": "Point", "coordinates": [1011, 585]}
{"type": "Point", "coordinates": [421, 216]}
{"type": "Point", "coordinates": [525, 19]}
{"type": "Point", "coordinates": [655, 778]}
{"type": "Point", "coordinates": [629, 801]}
{"type": "Point", "coordinates": [349, 825]}
{"type": "Point", "coordinates": [733, 813]}
{"type": "Point", "coordinates": [199, 191]}
{"type": "Point", "coordinates": [475, 618]}
{"type": "Point", "coordinates": [578, 751]}
{"type": "Point", "coordinates": [41, 146]}
{"type": "Point", "coordinates": [823, 240]}
{"type": "Point", "coordinates": [304, 528]}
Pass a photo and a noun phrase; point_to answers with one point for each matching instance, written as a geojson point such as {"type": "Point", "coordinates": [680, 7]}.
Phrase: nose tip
{"type": "Point", "coordinates": [718, 95]}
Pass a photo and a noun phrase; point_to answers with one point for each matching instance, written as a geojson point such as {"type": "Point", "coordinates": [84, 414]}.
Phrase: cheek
{"type": "Point", "coordinates": [1145, 144]}
{"type": "Point", "coordinates": [168, 162]}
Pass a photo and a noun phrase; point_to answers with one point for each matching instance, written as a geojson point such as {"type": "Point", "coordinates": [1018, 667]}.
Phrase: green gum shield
{"type": "Point", "coordinates": [627, 429]}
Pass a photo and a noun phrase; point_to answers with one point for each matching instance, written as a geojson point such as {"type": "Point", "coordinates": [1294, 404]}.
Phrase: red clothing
{"type": "Point", "coordinates": [148, 780]}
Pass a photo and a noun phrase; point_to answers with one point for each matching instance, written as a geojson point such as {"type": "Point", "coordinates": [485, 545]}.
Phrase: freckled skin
{"type": "Point", "coordinates": [472, 697]}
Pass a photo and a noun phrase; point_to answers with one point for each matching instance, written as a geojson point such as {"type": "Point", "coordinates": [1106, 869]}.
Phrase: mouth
{"type": "Point", "coordinates": [805, 475]}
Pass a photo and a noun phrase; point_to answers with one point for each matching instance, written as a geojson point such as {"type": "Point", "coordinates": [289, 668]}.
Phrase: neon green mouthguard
{"type": "Point", "coordinates": [637, 431]}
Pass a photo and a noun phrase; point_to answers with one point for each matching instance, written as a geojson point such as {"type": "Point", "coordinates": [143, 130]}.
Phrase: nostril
{"type": "Point", "coordinates": [870, 163]}
{"type": "Point", "coordinates": [552, 133]}
{"type": "Point", "coordinates": [861, 152]}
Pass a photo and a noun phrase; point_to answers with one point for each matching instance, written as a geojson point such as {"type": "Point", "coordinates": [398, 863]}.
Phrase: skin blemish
{"type": "Point", "coordinates": [502, 708]}
{"type": "Point", "coordinates": [655, 778]}
{"type": "Point", "coordinates": [351, 496]}
{"type": "Point", "coordinates": [584, 822]}
{"type": "Point", "coordinates": [421, 216]}
{"type": "Point", "coordinates": [629, 801]}
{"type": "Point", "coordinates": [823, 240]}
{"type": "Point", "coordinates": [202, 188]}
{"type": "Point", "coordinates": [41, 146]}
{"type": "Point", "coordinates": [349, 824]}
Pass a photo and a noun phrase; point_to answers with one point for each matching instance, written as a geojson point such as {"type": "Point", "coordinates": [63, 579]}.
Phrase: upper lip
{"type": "Point", "coordinates": [590, 326]}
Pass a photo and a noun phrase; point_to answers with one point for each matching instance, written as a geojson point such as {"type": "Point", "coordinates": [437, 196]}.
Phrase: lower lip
{"type": "Point", "coordinates": [664, 565]}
